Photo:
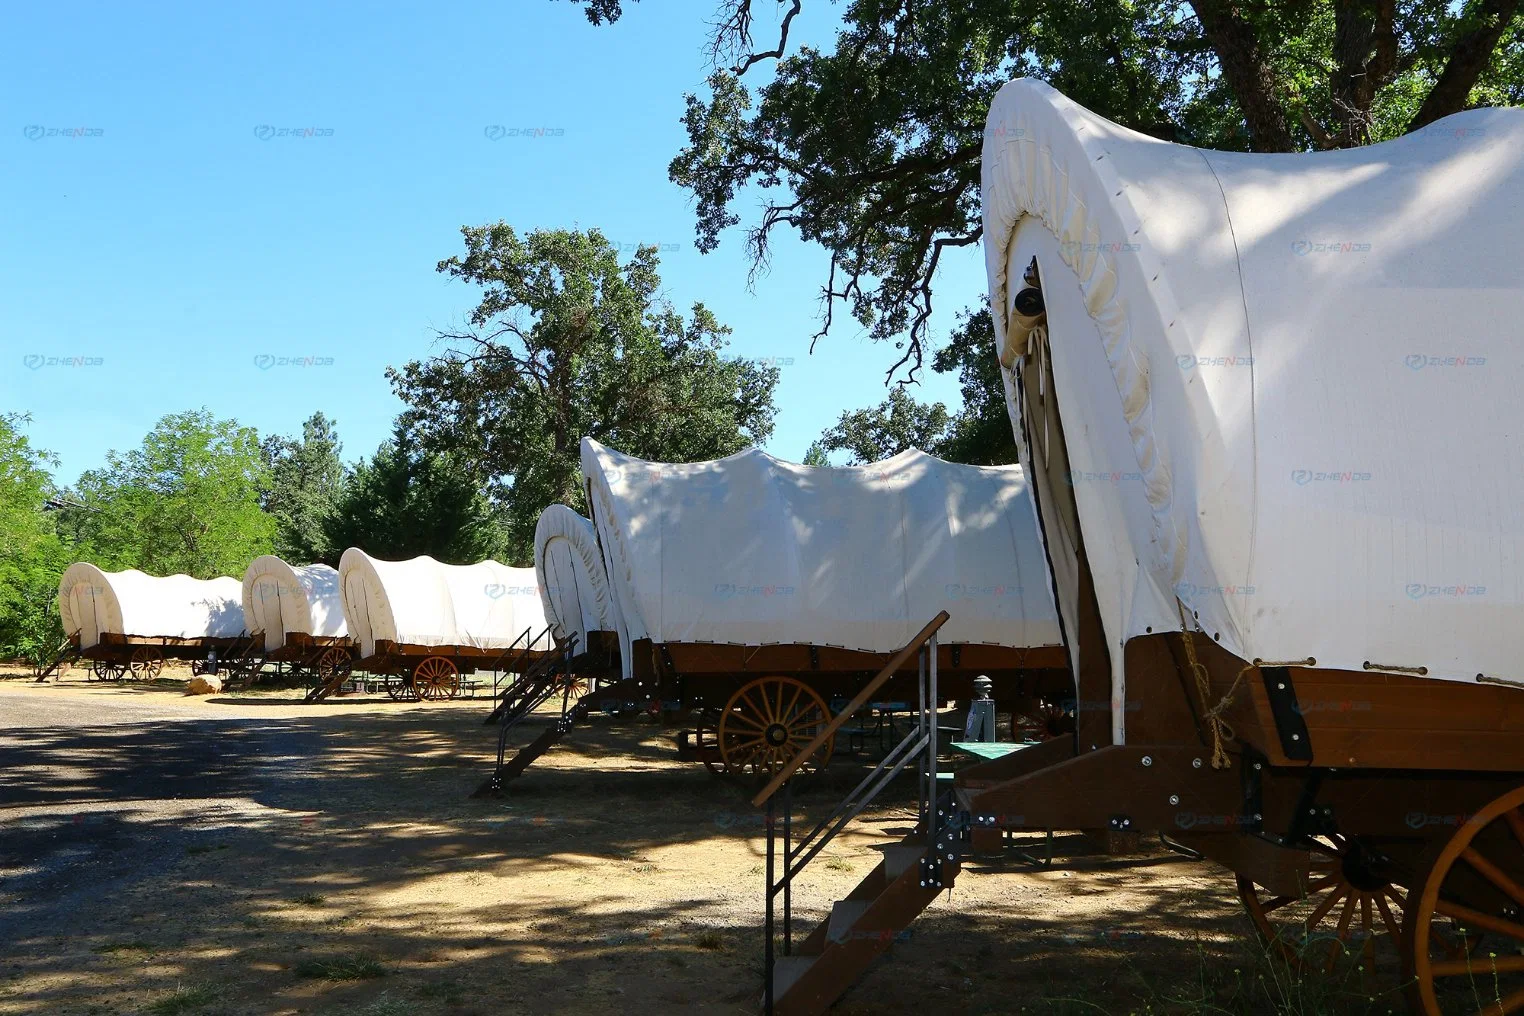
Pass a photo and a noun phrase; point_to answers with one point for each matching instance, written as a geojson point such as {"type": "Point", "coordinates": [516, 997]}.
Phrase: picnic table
{"type": "Point", "coordinates": [990, 750]}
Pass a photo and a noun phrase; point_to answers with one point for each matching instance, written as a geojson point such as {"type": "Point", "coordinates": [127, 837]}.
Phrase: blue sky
{"type": "Point", "coordinates": [167, 250]}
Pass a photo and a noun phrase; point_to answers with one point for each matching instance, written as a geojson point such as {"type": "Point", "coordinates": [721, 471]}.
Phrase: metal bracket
{"type": "Point", "coordinates": [814, 657]}
{"type": "Point", "coordinates": [1252, 779]}
{"type": "Point", "coordinates": [957, 655]}
{"type": "Point", "coordinates": [1289, 723]}
{"type": "Point", "coordinates": [1119, 823]}
{"type": "Point", "coordinates": [931, 873]}
{"type": "Point", "coordinates": [1310, 818]}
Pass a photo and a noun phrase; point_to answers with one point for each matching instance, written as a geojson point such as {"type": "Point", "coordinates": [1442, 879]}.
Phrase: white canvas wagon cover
{"type": "Point", "coordinates": [751, 550]}
{"type": "Point", "coordinates": [92, 601]}
{"type": "Point", "coordinates": [571, 576]}
{"type": "Point", "coordinates": [279, 598]}
{"type": "Point", "coordinates": [424, 602]}
{"type": "Point", "coordinates": [1289, 383]}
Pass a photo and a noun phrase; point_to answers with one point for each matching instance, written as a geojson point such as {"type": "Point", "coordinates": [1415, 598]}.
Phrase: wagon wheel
{"type": "Point", "coordinates": [576, 682]}
{"type": "Point", "coordinates": [108, 670]}
{"type": "Point", "coordinates": [1466, 931]}
{"type": "Point", "coordinates": [198, 667]}
{"type": "Point", "coordinates": [1041, 720]}
{"type": "Point", "coordinates": [436, 678]}
{"type": "Point", "coordinates": [146, 664]}
{"type": "Point", "coordinates": [330, 664]}
{"type": "Point", "coordinates": [1351, 903]}
{"type": "Point", "coordinates": [768, 722]}
{"type": "Point", "coordinates": [400, 688]}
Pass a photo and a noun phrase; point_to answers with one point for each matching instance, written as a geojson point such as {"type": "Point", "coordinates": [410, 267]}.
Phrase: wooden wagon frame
{"type": "Point", "coordinates": [434, 673]}
{"type": "Point", "coordinates": [758, 705]}
{"type": "Point", "coordinates": [141, 657]}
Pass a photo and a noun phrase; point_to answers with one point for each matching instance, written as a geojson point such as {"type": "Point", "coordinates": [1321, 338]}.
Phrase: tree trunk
{"type": "Point", "coordinates": [1469, 57]}
{"type": "Point", "coordinates": [1247, 72]}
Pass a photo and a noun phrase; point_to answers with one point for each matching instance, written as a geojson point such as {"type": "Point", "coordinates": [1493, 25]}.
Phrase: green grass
{"type": "Point", "coordinates": [839, 864]}
{"type": "Point", "coordinates": [709, 940]}
{"type": "Point", "coordinates": [385, 1005]}
{"type": "Point", "coordinates": [184, 999]}
{"type": "Point", "coordinates": [309, 900]}
{"type": "Point", "coordinates": [340, 968]}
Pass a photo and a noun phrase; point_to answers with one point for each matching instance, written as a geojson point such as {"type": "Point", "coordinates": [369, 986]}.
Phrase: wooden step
{"type": "Point", "coordinates": [844, 914]}
{"type": "Point", "coordinates": [860, 929]}
{"type": "Point", "coordinates": [901, 857]}
{"type": "Point", "coordinates": [786, 972]}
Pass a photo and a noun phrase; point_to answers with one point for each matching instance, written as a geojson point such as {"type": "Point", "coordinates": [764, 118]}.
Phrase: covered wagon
{"type": "Point", "coordinates": [129, 623]}
{"type": "Point", "coordinates": [759, 591]}
{"type": "Point", "coordinates": [1268, 405]}
{"type": "Point", "coordinates": [1266, 402]}
{"type": "Point", "coordinates": [299, 614]}
{"type": "Point", "coordinates": [425, 623]}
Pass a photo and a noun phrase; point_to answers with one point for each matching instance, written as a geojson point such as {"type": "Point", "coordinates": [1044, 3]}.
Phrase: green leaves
{"type": "Point", "coordinates": [187, 501]}
{"type": "Point", "coordinates": [305, 480]}
{"type": "Point", "coordinates": [873, 148]}
{"type": "Point", "coordinates": [566, 341]}
{"type": "Point", "coordinates": [406, 501]}
{"type": "Point", "coordinates": [900, 423]}
{"type": "Point", "coordinates": [980, 433]}
{"type": "Point", "coordinates": [32, 557]}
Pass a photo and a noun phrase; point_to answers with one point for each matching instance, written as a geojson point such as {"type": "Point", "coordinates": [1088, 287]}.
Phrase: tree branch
{"type": "Point", "coordinates": [1469, 57]}
{"type": "Point", "coordinates": [1246, 68]}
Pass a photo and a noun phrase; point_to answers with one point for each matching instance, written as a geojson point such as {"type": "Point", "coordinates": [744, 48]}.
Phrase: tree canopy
{"type": "Point", "coordinates": [305, 479]}
{"type": "Point", "coordinates": [872, 147]}
{"type": "Point", "coordinates": [978, 434]}
{"type": "Point", "coordinates": [187, 500]}
{"type": "Point", "coordinates": [33, 557]}
{"type": "Point", "coordinates": [568, 342]}
{"type": "Point", "coordinates": [407, 500]}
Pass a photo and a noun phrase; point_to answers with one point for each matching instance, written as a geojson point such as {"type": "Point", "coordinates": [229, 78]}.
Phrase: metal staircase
{"type": "Point", "coordinates": [531, 688]}
{"type": "Point", "coordinates": [537, 685]}
{"type": "Point", "coordinates": [808, 978]}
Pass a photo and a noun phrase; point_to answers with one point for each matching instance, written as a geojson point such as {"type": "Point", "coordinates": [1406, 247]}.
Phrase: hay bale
{"type": "Point", "coordinates": [204, 684]}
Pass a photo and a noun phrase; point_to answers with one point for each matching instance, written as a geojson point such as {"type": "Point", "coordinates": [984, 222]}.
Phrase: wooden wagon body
{"type": "Point", "coordinates": [141, 657]}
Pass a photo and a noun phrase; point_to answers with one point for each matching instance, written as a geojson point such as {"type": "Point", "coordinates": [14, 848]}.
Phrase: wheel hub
{"type": "Point", "coordinates": [1365, 869]}
{"type": "Point", "coordinates": [776, 735]}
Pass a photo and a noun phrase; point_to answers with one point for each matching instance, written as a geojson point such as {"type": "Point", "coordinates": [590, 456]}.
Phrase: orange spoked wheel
{"type": "Point", "coordinates": [436, 678]}
{"type": "Point", "coordinates": [1466, 929]}
{"type": "Point", "coordinates": [146, 664]}
{"type": "Point", "coordinates": [768, 722]}
{"type": "Point", "coordinates": [108, 670]}
{"type": "Point", "coordinates": [331, 663]}
{"type": "Point", "coordinates": [574, 686]}
{"type": "Point", "coordinates": [1352, 905]}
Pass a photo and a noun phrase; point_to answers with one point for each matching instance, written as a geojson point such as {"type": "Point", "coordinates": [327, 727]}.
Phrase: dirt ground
{"type": "Point", "coordinates": [247, 853]}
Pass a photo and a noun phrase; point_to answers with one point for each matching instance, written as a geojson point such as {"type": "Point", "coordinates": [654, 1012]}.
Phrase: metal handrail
{"type": "Point", "coordinates": [852, 805]}
{"type": "Point", "coordinates": [497, 663]}
{"type": "Point", "coordinates": [793, 765]}
{"type": "Point", "coordinates": [919, 744]}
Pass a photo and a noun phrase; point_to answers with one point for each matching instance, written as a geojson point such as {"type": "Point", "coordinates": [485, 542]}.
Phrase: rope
{"type": "Point", "coordinates": [1216, 725]}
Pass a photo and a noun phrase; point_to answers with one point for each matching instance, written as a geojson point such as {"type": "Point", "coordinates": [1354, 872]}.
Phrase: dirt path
{"type": "Point", "coordinates": [254, 855]}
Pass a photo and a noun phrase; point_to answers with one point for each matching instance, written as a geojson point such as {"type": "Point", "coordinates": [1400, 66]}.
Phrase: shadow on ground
{"type": "Point", "coordinates": [332, 861]}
